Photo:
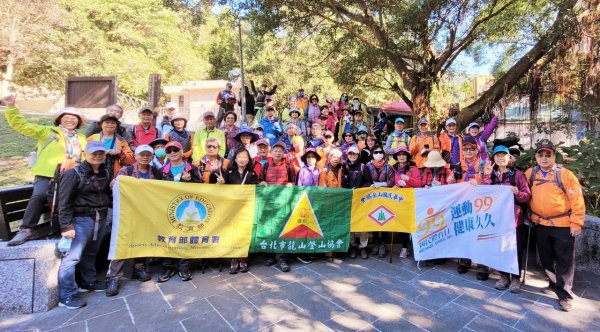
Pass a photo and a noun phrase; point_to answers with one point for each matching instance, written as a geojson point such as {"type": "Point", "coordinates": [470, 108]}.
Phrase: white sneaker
{"type": "Point", "coordinates": [403, 253]}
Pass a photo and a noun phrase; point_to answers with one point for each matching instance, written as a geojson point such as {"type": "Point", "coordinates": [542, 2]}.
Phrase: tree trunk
{"type": "Point", "coordinates": [564, 23]}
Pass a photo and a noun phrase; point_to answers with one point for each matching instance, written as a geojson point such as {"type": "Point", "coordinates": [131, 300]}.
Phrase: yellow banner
{"type": "Point", "coordinates": [180, 220]}
{"type": "Point", "coordinates": [383, 209]}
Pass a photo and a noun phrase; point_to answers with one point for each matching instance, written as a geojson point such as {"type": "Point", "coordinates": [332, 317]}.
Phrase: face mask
{"type": "Point", "coordinates": [345, 98]}
{"type": "Point", "coordinates": [378, 157]}
{"type": "Point", "coordinates": [160, 153]}
{"type": "Point", "coordinates": [301, 94]}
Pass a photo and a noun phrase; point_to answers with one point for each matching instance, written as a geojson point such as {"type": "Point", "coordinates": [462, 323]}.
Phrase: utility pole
{"type": "Point", "coordinates": [243, 87]}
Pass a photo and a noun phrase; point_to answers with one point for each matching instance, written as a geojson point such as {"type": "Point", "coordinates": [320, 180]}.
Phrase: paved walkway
{"type": "Point", "coordinates": [366, 295]}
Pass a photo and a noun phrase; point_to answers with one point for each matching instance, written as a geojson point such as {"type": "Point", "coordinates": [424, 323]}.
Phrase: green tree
{"type": "Point", "coordinates": [408, 46]}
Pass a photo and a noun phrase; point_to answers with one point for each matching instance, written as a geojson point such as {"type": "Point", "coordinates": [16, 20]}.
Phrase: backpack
{"type": "Point", "coordinates": [557, 178]}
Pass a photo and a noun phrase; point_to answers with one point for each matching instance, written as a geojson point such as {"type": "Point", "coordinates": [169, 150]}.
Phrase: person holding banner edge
{"type": "Point", "coordinates": [558, 212]}
{"type": "Point", "coordinates": [505, 175]}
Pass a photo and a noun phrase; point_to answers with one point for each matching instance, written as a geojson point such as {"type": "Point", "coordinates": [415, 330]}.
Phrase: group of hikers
{"type": "Point", "coordinates": [306, 144]}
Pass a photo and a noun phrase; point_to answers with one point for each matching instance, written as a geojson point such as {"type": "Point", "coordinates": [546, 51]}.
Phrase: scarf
{"type": "Point", "coordinates": [72, 147]}
{"type": "Point", "coordinates": [378, 164]}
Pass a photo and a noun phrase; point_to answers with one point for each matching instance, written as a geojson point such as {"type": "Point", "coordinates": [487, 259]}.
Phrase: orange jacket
{"type": "Point", "coordinates": [479, 167]}
{"type": "Point", "coordinates": [328, 178]}
{"type": "Point", "coordinates": [548, 200]}
{"type": "Point", "coordinates": [446, 145]}
{"type": "Point", "coordinates": [417, 144]}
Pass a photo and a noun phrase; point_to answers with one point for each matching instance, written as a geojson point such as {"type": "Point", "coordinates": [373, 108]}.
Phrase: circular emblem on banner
{"type": "Point", "coordinates": [190, 212]}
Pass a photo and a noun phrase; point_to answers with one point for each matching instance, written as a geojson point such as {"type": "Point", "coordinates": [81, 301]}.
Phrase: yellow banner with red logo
{"type": "Point", "coordinates": [383, 210]}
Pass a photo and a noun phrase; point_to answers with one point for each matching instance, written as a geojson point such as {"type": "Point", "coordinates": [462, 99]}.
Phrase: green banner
{"type": "Point", "coordinates": [301, 220]}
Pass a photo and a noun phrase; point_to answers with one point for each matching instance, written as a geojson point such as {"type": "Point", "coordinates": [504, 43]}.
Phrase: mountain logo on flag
{"type": "Point", "coordinates": [381, 215]}
{"type": "Point", "coordinates": [303, 223]}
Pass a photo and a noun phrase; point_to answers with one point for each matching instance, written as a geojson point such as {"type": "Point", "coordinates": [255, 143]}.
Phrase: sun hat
{"type": "Point", "coordinates": [434, 159]}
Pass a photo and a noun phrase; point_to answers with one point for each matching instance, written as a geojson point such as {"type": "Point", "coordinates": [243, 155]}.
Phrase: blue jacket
{"type": "Point", "coordinates": [270, 130]}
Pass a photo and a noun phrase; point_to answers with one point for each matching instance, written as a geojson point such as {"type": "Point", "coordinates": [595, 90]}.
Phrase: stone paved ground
{"type": "Point", "coordinates": [365, 295]}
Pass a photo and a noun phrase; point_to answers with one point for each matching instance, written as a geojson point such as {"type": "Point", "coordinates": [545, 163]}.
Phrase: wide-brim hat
{"type": "Point", "coordinates": [246, 131]}
{"type": "Point", "coordinates": [107, 117]}
{"type": "Point", "coordinates": [401, 149]}
{"type": "Point", "coordinates": [179, 116]}
{"type": "Point", "coordinates": [310, 150]}
{"type": "Point", "coordinates": [434, 159]}
{"type": "Point", "coordinates": [292, 110]}
{"type": "Point", "coordinates": [158, 141]}
{"type": "Point", "coordinates": [70, 111]}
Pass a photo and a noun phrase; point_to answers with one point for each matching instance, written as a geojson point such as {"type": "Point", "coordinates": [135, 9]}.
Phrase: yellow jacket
{"type": "Point", "coordinates": [550, 205]}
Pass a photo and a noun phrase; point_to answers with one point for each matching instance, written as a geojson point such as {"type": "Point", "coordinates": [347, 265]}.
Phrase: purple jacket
{"type": "Point", "coordinates": [308, 177]}
{"type": "Point", "coordinates": [522, 197]}
{"type": "Point", "coordinates": [484, 135]}
{"type": "Point", "coordinates": [383, 174]}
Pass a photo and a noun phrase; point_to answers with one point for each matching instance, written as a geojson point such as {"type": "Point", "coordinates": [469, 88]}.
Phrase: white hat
{"type": "Point", "coordinates": [144, 147]}
{"type": "Point", "coordinates": [71, 111]}
{"type": "Point", "coordinates": [353, 149]}
{"type": "Point", "coordinates": [170, 105]}
{"type": "Point", "coordinates": [473, 124]}
{"type": "Point", "coordinates": [450, 121]}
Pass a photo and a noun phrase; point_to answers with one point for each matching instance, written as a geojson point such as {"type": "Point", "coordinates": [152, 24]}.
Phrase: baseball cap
{"type": "Point", "coordinates": [423, 121]}
{"type": "Point", "coordinates": [279, 144]}
{"type": "Point", "coordinates": [170, 105]}
{"type": "Point", "coordinates": [145, 109]}
{"type": "Point", "coordinates": [450, 121]}
{"type": "Point", "coordinates": [500, 148]}
{"type": "Point", "coordinates": [175, 144]}
{"type": "Point", "coordinates": [545, 145]}
{"type": "Point", "coordinates": [469, 140]}
{"type": "Point", "coordinates": [473, 124]}
{"type": "Point", "coordinates": [208, 114]}
{"type": "Point", "coordinates": [263, 141]}
{"type": "Point", "coordinates": [353, 149]}
{"type": "Point", "coordinates": [229, 85]}
{"type": "Point", "coordinates": [95, 146]}
{"type": "Point", "coordinates": [399, 119]}
{"type": "Point", "coordinates": [144, 147]}
{"type": "Point", "coordinates": [107, 117]}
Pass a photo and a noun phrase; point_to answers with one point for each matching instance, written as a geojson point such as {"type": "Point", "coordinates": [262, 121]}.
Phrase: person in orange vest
{"type": "Point", "coordinates": [422, 143]}
{"type": "Point", "coordinates": [451, 145]}
{"type": "Point", "coordinates": [558, 212]}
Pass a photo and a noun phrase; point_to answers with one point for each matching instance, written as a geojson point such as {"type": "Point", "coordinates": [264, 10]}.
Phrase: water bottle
{"type": "Point", "coordinates": [64, 244]}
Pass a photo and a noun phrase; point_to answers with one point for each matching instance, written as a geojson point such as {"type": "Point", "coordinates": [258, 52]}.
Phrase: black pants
{"type": "Point", "coordinates": [556, 247]}
{"type": "Point", "coordinates": [36, 203]}
{"type": "Point", "coordinates": [522, 251]}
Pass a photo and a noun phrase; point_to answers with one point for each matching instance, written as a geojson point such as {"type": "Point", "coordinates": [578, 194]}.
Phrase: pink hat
{"type": "Point", "coordinates": [71, 111]}
{"type": "Point", "coordinates": [208, 114]}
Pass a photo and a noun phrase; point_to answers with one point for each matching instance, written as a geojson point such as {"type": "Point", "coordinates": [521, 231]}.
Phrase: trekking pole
{"type": "Point", "coordinates": [528, 223]}
{"type": "Point", "coordinates": [392, 247]}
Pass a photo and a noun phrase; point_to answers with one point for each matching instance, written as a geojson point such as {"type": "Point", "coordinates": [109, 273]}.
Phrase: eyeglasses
{"type": "Point", "coordinates": [172, 150]}
{"type": "Point", "coordinates": [377, 152]}
{"type": "Point", "coordinates": [544, 155]}
{"type": "Point", "coordinates": [212, 147]}
{"type": "Point", "coordinates": [469, 149]}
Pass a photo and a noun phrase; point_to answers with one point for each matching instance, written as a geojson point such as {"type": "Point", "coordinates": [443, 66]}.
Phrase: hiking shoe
{"type": "Point", "coordinates": [166, 275]}
{"type": "Point", "coordinates": [113, 287]}
{"type": "Point", "coordinates": [565, 304]}
{"type": "Point", "coordinates": [141, 274]}
{"type": "Point", "coordinates": [503, 283]}
{"type": "Point", "coordinates": [375, 249]}
{"type": "Point", "coordinates": [22, 236]}
{"type": "Point", "coordinates": [381, 251]}
{"type": "Point", "coordinates": [233, 266]}
{"type": "Point", "coordinates": [403, 253]}
{"type": "Point", "coordinates": [283, 266]}
{"type": "Point", "coordinates": [515, 286]}
{"type": "Point", "coordinates": [483, 276]}
{"type": "Point", "coordinates": [270, 261]}
{"type": "Point", "coordinates": [96, 286]}
{"type": "Point", "coordinates": [363, 253]}
{"type": "Point", "coordinates": [353, 252]}
{"type": "Point", "coordinates": [462, 269]}
{"type": "Point", "coordinates": [244, 265]}
{"type": "Point", "coordinates": [303, 259]}
{"type": "Point", "coordinates": [73, 302]}
{"type": "Point", "coordinates": [185, 275]}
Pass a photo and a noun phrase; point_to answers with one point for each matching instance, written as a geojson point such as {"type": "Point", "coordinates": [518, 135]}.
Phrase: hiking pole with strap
{"type": "Point", "coordinates": [529, 225]}
{"type": "Point", "coordinates": [392, 247]}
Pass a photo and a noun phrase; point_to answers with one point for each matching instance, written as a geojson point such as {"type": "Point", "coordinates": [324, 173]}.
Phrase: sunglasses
{"type": "Point", "coordinates": [347, 135]}
{"type": "Point", "coordinates": [314, 99]}
{"type": "Point", "coordinates": [172, 150]}
{"type": "Point", "coordinates": [212, 147]}
{"type": "Point", "coordinates": [328, 136]}
{"type": "Point", "coordinates": [377, 152]}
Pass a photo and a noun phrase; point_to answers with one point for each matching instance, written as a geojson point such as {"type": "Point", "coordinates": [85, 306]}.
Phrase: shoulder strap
{"type": "Point", "coordinates": [264, 171]}
{"type": "Point", "coordinates": [534, 171]}
{"type": "Point", "coordinates": [511, 177]}
{"type": "Point", "coordinates": [558, 178]}
{"type": "Point", "coordinates": [129, 170]}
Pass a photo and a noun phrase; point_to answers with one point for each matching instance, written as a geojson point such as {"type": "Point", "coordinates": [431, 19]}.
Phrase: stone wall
{"type": "Point", "coordinates": [28, 275]}
{"type": "Point", "coordinates": [587, 246]}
